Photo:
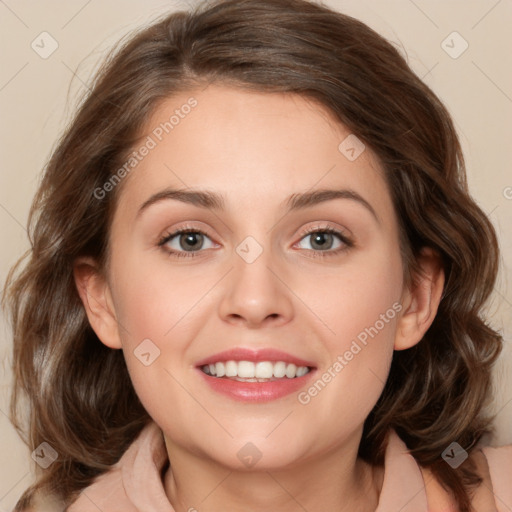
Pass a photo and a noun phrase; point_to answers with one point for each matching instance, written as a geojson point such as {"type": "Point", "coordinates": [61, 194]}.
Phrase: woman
{"type": "Point", "coordinates": [256, 280]}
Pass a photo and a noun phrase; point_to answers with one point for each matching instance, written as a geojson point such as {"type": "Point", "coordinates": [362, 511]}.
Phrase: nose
{"type": "Point", "coordinates": [255, 292]}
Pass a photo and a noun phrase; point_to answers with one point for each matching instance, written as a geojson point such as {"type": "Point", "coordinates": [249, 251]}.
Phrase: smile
{"type": "Point", "coordinates": [250, 375]}
{"type": "Point", "coordinates": [248, 371]}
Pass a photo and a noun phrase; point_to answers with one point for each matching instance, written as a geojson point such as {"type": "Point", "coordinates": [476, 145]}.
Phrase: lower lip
{"type": "Point", "coordinates": [256, 391]}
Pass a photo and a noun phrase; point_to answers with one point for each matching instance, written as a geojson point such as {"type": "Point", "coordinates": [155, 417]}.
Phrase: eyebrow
{"type": "Point", "coordinates": [213, 201]}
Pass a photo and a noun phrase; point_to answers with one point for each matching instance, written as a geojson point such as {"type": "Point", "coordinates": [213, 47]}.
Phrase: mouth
{"type": "Point", "coordinates": [249, 371]}
{"type": "Point", "coordinates": [255, 376]}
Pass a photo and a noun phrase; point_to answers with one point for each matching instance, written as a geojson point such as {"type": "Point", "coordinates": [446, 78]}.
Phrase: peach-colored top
{"type": "Point", "coordinates": [134, 484]}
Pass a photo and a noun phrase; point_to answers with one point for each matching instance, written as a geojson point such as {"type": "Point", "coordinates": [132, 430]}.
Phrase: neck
{"type": "Point", "coordinates": [334, 481]}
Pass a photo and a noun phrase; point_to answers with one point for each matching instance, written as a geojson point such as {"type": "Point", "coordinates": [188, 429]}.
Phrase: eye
{"type": "Point", "coordinates": [323, 239]}
{"type": "Point", "coordinates": [183, 241]}
{"type": "Point", "coordinates": [188, 242]}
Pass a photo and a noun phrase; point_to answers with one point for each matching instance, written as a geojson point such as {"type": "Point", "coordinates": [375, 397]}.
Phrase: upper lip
{"type": "Point", "coordinates": [254, 355]}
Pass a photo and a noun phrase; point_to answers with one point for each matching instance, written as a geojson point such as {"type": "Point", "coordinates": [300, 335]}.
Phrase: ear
{"type": "Point", "coordinates": [95, 293]}
{"type": "Point", "coordinates": [421, 301]}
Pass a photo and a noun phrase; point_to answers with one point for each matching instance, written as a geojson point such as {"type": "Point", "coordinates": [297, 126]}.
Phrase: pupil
{"type": "Point", "coordinates": [319, 239]}
{"type": "Point", "coordinates": [190, 240]}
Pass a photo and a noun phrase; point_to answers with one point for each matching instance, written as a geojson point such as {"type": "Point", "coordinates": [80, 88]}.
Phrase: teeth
{"type": "Point", "coordinates": [264, 370]}
{"type": "Point", "coordinates": [301, 370]}
{"type": "Point", "coordinates": [279, 369]}
{"type": "Point", "coordinates": [291, 370]}
{"type": "Point", "coordinates": [220, 369]}
{"type": "Point", "coordinates": [231, 369]}
{"type": "Point", "coordinates": [247, 371]}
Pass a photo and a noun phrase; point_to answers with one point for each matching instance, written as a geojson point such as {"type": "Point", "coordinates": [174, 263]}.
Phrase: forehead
{"type": "Point", "coordinates": [249, 146]}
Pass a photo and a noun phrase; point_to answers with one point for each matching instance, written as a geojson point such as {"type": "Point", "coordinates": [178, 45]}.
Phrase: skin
{"type": "Point", "coordinates": [256, 149]}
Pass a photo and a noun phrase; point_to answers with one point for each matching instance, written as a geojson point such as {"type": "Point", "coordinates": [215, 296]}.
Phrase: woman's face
{"type": "Point", "coordinates": [257, 280]}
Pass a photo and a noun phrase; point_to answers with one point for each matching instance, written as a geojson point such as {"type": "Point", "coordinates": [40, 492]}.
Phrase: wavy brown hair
{"type": "Point", "coordinates": [80, 397]}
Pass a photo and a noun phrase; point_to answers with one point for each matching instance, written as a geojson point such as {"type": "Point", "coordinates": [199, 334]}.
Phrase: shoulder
{"type": "Point", "coordinates": [42, 503]}
{"type": "Point", "coordinates": [116, 489]}
{"type": "Point", "coordinates": [494, 466]}
{"type": "Point", "coordinates": [105, 493]}
{"type": "Point", "coordinates": [124, 486]}
{"type": "Point", "coordinates": [499, 464]}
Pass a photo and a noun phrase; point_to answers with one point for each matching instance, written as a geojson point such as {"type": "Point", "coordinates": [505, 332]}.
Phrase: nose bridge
{"type": "Point", "coordinates": [254, 292]}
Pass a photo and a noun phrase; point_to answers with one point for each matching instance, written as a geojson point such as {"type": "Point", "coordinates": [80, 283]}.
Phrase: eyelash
{"type": "Point", "coordinates": [348, 243]}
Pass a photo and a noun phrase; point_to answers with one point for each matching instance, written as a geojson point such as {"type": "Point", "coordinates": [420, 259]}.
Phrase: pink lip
{"type": "Point", "coordinates": [244, 354]}
{"type": "Point", "coordinates": [255, 391]}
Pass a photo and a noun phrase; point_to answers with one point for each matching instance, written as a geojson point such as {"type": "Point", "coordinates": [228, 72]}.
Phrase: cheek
{"type": "Point", "coordinates": [147, 309]}
{"type": "Point", "coordinates": [360, 305]}
{"type": "Point", "coordinates": [363, 294]}
{"type": "Point", "coordinates": [155, 335]}
{"type": "Point", "coordinates": [154, 299]}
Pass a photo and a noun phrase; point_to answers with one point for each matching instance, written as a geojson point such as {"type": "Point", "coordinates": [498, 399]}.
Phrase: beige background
{"type": "Point", "coordinates": [36, 98]}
